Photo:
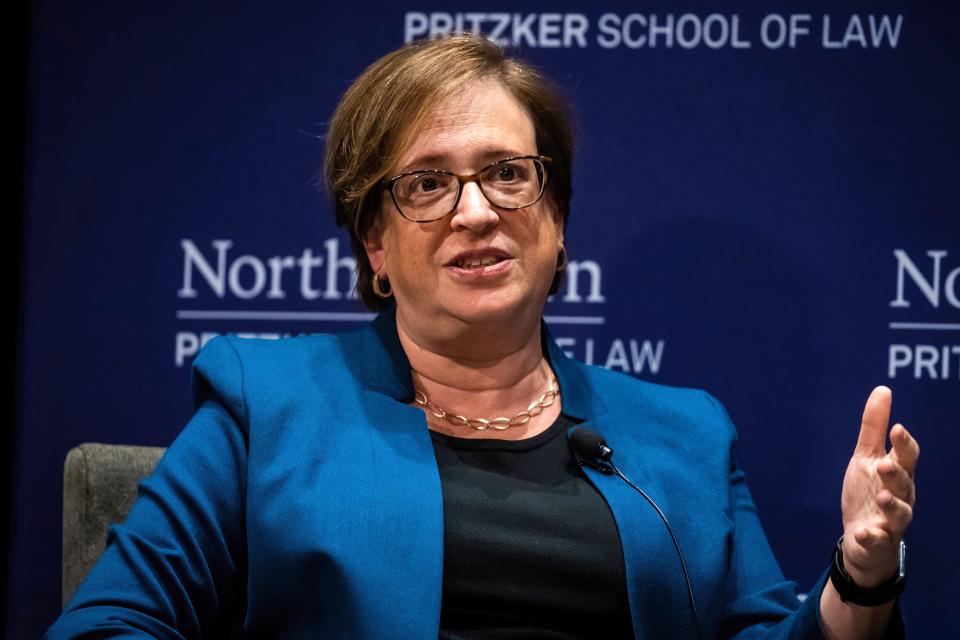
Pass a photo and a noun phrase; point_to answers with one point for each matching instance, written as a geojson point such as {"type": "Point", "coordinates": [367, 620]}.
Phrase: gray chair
{"type": "Point", "coordinates": [99, 487]}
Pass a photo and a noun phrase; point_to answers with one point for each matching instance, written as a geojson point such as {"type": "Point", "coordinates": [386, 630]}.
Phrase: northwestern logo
{"type": "Point", "coordinates": [247, 276]}
{"type": "Point", "coordinates": [931, 285]}
{"type": "Point", "coordinates": [324, 275]}
{"type": "Point", "coordinates": [223, 275]}
{"type": "Point", "coordinates": [926, 286]}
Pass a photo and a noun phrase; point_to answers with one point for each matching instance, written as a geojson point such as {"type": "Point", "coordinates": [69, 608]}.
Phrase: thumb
{"type": "Point", "coordinates": [876, 417]}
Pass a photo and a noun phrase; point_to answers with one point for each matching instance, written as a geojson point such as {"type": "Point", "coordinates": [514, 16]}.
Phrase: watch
{"type": "Point", "coordinates": [850, 591]}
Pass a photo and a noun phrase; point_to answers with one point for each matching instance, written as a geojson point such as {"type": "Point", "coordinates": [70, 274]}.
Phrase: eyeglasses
{"type": "Point", "coordinates": [431, 194]}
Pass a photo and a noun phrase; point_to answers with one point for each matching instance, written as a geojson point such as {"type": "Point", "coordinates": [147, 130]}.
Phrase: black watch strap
{"type": "Point", "coordinates": [850, 591]}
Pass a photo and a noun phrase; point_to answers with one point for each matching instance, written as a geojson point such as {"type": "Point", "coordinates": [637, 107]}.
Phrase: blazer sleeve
{"type": "Point", "coordinates": [176, 567]}
{"type": "Point", "coordinates": [760, 602]}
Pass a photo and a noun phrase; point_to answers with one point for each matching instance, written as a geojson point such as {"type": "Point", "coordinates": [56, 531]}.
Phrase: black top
{"type": "Point", "coordinates": [531, 549]}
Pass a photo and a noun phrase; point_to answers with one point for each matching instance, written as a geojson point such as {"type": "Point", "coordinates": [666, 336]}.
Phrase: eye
{"type": "Point", "coordinates": [425, 184]}
{"type": "Point", "coordinates": [508, 172]}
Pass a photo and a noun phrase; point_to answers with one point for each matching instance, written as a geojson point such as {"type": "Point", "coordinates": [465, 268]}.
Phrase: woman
{"type": "Point", "coordinates": [415, 476]}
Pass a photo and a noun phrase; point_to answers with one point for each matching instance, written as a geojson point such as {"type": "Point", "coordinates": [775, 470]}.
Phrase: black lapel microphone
{"type": "Point", "coordinates": [590, 449]}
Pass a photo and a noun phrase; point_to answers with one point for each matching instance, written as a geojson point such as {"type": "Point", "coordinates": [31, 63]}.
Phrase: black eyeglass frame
{"type": "Point", "coordinates": [387, 183]}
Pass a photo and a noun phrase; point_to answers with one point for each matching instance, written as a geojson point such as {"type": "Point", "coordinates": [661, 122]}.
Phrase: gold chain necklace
{"type": "Point", "coordinates": [498, 424]}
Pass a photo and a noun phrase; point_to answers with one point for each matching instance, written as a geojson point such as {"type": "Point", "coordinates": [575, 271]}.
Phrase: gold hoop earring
{"type": "Point", "coordinates": [378, 289]}
{"type": "Point", "coordinates": [562, 259]}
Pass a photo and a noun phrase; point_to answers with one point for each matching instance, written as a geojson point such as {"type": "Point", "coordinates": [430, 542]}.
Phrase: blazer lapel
{"type": "Point", "coordinates": [406, 530]}
{"type": "Point", "coordinates": [655, 581]}
{"type": "Point", "coordinates": [405, 535]}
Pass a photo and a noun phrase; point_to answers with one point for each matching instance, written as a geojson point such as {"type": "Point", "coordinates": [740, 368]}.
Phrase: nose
{"type": "Point", "coordinates": [474, 212]}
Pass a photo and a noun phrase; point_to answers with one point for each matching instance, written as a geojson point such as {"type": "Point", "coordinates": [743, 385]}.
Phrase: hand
{"type": "Point", "coordinates": [878, 494]}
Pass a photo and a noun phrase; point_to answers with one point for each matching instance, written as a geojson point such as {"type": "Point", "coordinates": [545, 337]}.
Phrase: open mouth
{"type": "Point", "coordinates": [477, 262]}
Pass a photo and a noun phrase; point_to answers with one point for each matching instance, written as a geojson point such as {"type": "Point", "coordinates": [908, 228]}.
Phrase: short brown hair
{"type": "Point", "coordinates": [392, 99]}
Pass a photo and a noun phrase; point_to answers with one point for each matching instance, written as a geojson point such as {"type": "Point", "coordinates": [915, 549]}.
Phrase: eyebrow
{"type": "Point", "coordinates": [438, 160]}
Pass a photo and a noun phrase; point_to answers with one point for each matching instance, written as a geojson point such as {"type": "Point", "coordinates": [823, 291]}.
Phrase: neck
{"type": "Point", "coordinates": [480, 373]}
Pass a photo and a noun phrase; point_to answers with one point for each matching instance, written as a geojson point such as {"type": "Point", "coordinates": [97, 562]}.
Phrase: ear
{"type": "Point", "coordinates": [373, 245]}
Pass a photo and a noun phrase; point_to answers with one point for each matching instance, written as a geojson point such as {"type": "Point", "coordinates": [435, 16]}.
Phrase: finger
{"type": "Point", "coordinates": [876, 417]}
{"type": "Point", "coordinates": [906, 449]}
{"type": "Point", "coordinates": [898, 513]}
{"type": "Point", "coordinates": [895, 479]}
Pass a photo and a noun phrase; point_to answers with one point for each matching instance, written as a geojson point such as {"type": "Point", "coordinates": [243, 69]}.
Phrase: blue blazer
{"type": "Point", "coordinates": [303, 497]}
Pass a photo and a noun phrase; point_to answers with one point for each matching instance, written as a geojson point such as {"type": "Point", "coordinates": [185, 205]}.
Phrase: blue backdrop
{"type": "Point", "coordinates": [765, 206]}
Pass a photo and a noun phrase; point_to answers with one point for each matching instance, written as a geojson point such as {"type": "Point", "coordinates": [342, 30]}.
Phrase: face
{"type": "Point", "coordinates": [480, 263]}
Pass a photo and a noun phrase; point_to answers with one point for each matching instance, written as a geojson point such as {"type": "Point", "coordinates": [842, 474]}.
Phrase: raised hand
{"type": "Point", "coordinates": [878, 494]}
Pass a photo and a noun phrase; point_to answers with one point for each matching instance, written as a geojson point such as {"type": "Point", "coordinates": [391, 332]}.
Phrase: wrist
{"type": "Point", "coordinates": [865, 578]}
{"type": "Point", "coordinates": [868, 591]}
{"type": "Point", "coordinates": [841, 620]}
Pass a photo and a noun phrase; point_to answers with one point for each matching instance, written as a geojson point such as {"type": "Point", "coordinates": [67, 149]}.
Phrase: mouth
{"type": "Point", "coordinates": [479, 262]}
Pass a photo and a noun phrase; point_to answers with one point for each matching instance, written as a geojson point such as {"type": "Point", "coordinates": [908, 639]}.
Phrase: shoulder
{"type": "Point", "coordinates": [664, 411]}
{"type": "Point", "coordinates": [616, 388]}
{"type": "Point", "coordinates": [236, 370]}
{"type": "Point", "coordinates": [226, 352]}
